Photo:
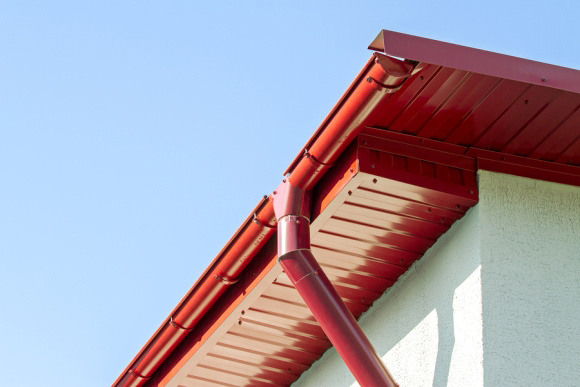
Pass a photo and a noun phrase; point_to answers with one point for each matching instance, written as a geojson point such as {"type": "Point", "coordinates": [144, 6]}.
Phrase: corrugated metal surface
{"type": "Point", "coordinates": [481, 111]}
{"type": "Point", "coordinates": [371, 226]}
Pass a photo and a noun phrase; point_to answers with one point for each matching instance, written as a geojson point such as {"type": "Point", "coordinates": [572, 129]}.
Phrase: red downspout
{"type": "Point", "coordinates": [292, 209]}
{"type": "Point", "coordinates": [379, 78]}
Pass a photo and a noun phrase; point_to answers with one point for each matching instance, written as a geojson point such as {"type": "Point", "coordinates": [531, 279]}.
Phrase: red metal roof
{"type": "Point", "coordinates": [418, 131]}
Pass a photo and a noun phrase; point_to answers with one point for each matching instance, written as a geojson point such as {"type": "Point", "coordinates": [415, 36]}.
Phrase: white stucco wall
{"type": "Point", "coordinates": [497, 298]}
{"type": "Point", "coordinates": [530, 281]}
{"type": "Point", "coordinates": [428, 326]}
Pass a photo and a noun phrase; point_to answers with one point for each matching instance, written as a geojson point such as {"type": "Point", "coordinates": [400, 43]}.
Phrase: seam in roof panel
{"type": "Point", "coordinates": [449, 137]}
{"type": "Point", "coordinates": [527, 123]}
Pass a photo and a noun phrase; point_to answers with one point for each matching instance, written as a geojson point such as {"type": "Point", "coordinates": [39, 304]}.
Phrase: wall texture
{"type": "Point", "coordinates": [530, 259]}
{"type": "Point", "coordinates": [496, 298]}
{"type": "Point", "coordinates": [428, 326]}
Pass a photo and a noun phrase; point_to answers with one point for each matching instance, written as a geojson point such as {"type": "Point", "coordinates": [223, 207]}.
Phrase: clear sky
{"type": "Point", "coordinates": [136, 136]}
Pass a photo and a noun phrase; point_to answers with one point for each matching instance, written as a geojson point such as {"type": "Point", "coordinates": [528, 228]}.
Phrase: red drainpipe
{"type": "Point", "coordinates": [381, 76]}
{"type": "Point", "coordinates": [292, 209]}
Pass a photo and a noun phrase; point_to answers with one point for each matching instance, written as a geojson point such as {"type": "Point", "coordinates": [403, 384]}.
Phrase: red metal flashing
{"type": "Point", "coordinates": [425, 125]}
{"type": "Point", "coordinates": [524, 167]}
{"type": "Point", "coordinates": [476, 61]}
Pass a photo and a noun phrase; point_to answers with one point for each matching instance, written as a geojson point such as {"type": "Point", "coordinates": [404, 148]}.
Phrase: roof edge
{"type": "Point", "coordinates": [475, 60]}
{"type": "Point", "coordinates": [375, 84]}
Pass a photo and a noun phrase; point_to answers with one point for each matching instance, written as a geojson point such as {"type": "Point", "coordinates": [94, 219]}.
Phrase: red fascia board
{"type": "Point", "coordinates": [475, 60]}
{"type": "Point", "coordinates": [525, 167]}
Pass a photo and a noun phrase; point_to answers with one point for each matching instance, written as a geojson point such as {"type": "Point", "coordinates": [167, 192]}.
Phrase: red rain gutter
{"type": "Point", "coordinates": [292, 209]}
{"type": "Point", "coordinates": [381, 77]}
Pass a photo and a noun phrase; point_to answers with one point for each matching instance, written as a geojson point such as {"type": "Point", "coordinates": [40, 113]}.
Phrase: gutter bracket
{"type": "Point", "coordinates": [225, 280]}
{"type": "Point", "coordinates": [134, 372]}
{"type": "Point", "coordinates": [384, 88]}
{"type": "Point", "coordinates": [259, 221]}
{"type": "Point", "coordinates": [177, 325]}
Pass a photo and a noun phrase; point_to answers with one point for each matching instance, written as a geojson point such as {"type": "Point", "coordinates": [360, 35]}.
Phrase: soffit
{"type": "Point", "coordinates": [376, 212]}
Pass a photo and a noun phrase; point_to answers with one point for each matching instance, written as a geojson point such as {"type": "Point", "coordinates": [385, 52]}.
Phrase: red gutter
{"type": "Point", "coordinates": [292, 209]}
{"type": "Point", "coordinates": [379, 78]}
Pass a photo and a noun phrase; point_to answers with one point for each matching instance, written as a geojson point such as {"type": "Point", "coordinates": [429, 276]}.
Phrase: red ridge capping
{"type": "Point", "coordinates": [339, 128]}
{"type": "Point", "coordinates": [475, 60]}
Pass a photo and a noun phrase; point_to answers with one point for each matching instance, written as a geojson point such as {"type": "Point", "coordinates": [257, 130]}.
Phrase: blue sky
{"type": "Point", "coordinates": [138, 135]}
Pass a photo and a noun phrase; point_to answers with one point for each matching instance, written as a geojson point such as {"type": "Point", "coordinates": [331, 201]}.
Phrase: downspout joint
{"type": "Point", "coordinates": [292, 210]}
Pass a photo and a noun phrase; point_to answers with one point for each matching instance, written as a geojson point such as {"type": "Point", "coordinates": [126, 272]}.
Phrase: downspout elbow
{"type": "Point", "coordinates": [292, 209]}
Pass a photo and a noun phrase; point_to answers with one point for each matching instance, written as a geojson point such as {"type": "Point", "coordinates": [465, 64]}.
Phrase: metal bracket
{"type": "Point", "coordinates": [382, 87]}
{"type": "Point", "coordinates": [137, 374]}
{"type": "Point", "coordinates": [176, 325]}
{"type": "Point", "coordinates": [257, 220]}
{"type": "Point", "coordinates": [314, 160]}
{"type": "Point", "coordinates": [225, 280]}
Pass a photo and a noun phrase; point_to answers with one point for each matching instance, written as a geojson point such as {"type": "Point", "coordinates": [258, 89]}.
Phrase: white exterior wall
{"type": "Point", "coordinates": [497, 298]}
{"type": "Point", "coordinates": [530, 281]}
